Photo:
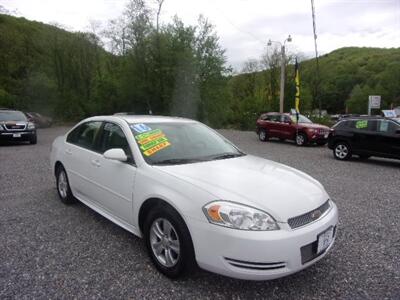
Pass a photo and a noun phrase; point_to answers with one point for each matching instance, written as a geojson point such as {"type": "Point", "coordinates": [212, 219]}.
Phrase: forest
{"type": "Point", "coordinates": [137, 64]}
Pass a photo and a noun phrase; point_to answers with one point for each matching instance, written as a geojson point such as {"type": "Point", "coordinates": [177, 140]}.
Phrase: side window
{"type": "Point", "coordinates": [114, 137]}
{"type": "Point", "coordinates": [275, 118]}
{"type": "Point", "coordinates": [363, 125]}
{"type": "Point", "coordinates": [85, 135]}
{"type": "Point", "coordinates": [386, 126]}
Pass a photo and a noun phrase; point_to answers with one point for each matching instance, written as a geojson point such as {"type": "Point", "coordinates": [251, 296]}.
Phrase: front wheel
{"type": "Point", "coordinates": [342, 151]}
{"type": "Point", "coordinates": [262, 135]}
{"type": "Point", "coordinates": [169, 242]}
{"type": "Point", "coordinates": [33, 140]}
{"type": "Point", "coordinates": [301, 139]}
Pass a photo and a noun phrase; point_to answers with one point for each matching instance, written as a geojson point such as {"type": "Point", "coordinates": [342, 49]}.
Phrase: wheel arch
{"type": "Point", "coordinates": [58, 164]}
{"type": "Point", "coordinates": [150, 203]}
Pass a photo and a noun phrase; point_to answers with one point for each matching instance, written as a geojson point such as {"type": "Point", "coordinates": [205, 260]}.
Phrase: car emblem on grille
{"type": "Point", "coordinates": [316, 214]}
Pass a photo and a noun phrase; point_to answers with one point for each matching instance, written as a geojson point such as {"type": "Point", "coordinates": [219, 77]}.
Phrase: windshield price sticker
{"type": "Point", "coordinates": [156, 148]}
{"type": "Point", "coordinates": [140, 128]}
{"type": "Point", "coordinates": [361, 124]}
{"type": "Point", "coordinates": [142, 136]}
{"type": "Point", "coordinates": [152, 141]}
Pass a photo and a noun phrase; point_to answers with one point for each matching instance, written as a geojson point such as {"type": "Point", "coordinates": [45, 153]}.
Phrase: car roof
{"type": "Point", "coordinates": [145, 119]}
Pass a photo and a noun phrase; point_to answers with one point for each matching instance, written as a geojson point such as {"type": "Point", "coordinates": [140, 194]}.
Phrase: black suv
{"type": "Point", "coordinates": [365, 137]}
{"type": "Point", "coordinates": [14, 126]}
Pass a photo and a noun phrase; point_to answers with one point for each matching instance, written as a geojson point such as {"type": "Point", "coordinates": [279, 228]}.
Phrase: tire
{"type": "Point", "coordinates": [342, 151]}
{"type": "Point", "coordinates": [166, 232]}
{"type": "Point", "coordinates": [63, 188]}
{"type": "Point", "coordinates": [33, 140]}
{"type": "Point", "coordinates": [262, 135]}
{"type": "Point", "coordinates": [301, 139]}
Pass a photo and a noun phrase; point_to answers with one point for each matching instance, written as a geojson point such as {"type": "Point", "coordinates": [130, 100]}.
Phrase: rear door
{"type": "Point", "coordinates": [274, 125]}
{"type": "Point", "coordinates": [80, 145]}
{"type": "Point", "coordinates": [364, 136]}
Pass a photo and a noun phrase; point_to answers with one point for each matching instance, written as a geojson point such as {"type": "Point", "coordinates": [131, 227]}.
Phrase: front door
{"type": "Point", "coordinates": [114, 179]}
{"type": "Point", "coordinates": [388, 138]}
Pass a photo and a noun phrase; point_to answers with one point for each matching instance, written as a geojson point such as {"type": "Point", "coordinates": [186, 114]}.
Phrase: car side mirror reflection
{"type": "Point", "coordinates": [116, 154]}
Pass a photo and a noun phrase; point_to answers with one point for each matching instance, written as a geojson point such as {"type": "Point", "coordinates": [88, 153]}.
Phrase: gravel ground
{"type": "Point", "coordinates": [49, 250]}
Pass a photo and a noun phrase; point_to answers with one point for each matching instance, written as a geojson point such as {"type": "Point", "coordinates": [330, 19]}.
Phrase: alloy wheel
{"type": "Point", "coordinates": [341, 151]}
{"type": "Point", "coordinates": [62, 184]}
{"type": "Point", "coordinates": [164, 242]}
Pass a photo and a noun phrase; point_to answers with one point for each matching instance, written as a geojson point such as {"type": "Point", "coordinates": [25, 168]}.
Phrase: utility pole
{"type": "Point", "coordinates": [283, 54]}
{"type": "Point", "coordinates": [282, 93]}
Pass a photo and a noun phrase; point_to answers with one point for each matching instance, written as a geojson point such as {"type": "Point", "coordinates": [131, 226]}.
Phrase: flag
{"type": "Point", "coordinates": [297, 80]}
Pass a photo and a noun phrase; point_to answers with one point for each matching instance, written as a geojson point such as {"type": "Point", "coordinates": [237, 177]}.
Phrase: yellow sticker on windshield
{"type": "Point", "coordinates": [152, 141]}
{"type": "Point", "coordinates": [156, 148]}
{"type": "Point", "coordinates": [362, 124]}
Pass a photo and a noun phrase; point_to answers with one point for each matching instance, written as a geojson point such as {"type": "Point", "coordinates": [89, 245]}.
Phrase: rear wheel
{"type": "Point", "coordinates": [262, 135]}
{"type": "Point", "coordinates": [342, 151]}
{"type": "Point", "coordinates": [169, 242]}
{"type": "Point", "coordinates": [63, 188]}
{"type": "Point", "coordinates": [301, 139]}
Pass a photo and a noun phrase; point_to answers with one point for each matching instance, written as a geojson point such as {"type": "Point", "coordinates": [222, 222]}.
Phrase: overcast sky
{"type": "Point", "coordinates": [244, 26]}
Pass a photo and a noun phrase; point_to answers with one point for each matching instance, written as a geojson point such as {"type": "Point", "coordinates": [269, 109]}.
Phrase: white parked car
{"type": "Point", "coordinates": [194, 197]}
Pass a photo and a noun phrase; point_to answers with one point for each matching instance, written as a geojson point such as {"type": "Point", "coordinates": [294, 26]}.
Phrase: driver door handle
{"type": "Point", "coordinates": [95, 162]}
{"type": "Point", "coordinates": [68, 151]}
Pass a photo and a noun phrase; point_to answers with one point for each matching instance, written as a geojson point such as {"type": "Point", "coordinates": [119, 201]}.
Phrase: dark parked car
{"type": "Point", "coordinates": [14, 126]}
{"type": "Point", "coordinates": [365, 137]}
{"type": "Point", "coordinates": [285, 127]}
{"type": "Point", "coordinates": [39, 120]}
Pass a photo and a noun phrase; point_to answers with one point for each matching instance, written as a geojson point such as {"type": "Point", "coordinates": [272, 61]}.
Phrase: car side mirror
{"type": "Point", "coordinates": [116, 154]}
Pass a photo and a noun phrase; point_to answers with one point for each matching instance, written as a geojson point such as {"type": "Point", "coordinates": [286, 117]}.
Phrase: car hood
{"type": "Point", "coordinates": [280, 190]}
{"type": "Point", "coordinates": [314, 126]}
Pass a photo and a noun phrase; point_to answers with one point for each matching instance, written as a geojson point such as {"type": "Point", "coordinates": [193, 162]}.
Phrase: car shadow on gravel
{"type": "Point", "coordinates": [381, 162]}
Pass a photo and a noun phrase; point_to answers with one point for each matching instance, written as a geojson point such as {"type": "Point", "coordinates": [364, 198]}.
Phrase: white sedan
{"type": "Point", "coordinates": [194, 197]}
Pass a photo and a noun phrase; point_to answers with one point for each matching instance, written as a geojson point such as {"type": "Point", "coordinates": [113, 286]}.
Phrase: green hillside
{"type": "Point", "coordinates": [347, 77]}
{"type": "Point", "coordinates": [174, 69]}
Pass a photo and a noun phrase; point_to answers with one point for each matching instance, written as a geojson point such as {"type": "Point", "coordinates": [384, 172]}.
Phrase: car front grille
{"type": "Point", "coordinates": [14, 127]}
{"type": "Point", "coordinates": [255, 265]}
{"type": "Point", "coordinates": [309, 217]}
{"type": "Point", "coordinates": [322, 131]}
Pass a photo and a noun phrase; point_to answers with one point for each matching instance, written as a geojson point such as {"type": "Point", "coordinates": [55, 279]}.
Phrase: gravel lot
{"type": "Point", "coordinates": [49, 250]}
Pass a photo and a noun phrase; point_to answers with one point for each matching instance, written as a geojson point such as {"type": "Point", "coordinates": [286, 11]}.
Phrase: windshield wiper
{"type": "Point", "coordinates": [226, 155]}
{"type": "Point", "coordinates": [176, 161]}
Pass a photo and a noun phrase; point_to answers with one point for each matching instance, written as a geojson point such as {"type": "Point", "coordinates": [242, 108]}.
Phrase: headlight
{"type": "Point", "coordinates": [31, 125]}
{"type": "Point", "coordinates": [238, 216]}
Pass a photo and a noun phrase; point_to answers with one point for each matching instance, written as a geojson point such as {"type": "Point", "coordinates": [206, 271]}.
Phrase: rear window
{"type": "Point", "coordinates": [12, 116]}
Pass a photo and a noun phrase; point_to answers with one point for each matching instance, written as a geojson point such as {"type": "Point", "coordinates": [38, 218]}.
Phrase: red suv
{"type": "Point", "coordinates": [285, 127]}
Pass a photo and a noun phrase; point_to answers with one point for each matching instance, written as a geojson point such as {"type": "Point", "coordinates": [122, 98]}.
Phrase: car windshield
{"type": "Point", "coordinates": [12, 116]}
{"type": "Point", "coordinates": [302, 119]}
{"type": "Point", "coordinates": [180, 143]}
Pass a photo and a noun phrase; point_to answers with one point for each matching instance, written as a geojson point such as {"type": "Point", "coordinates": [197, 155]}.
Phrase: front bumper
{"type": "Point", "coordinates": [26, 135]}
{"type": "Point", "coordinates": [259, 255]}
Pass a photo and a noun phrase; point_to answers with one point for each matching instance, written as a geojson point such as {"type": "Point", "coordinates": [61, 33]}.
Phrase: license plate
{"type": "Point", "coordinates": [325, 239]}
{"type": "Point", "coordinates": [17, 135]}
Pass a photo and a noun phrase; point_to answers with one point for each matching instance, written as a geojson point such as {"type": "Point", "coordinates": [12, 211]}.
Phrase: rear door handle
{"type": "Point", "coordinates": [95, 162]}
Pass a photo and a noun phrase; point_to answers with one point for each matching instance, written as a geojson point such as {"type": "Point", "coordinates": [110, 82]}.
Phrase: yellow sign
{"type": "Point", "coordinates": [156, 148]}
